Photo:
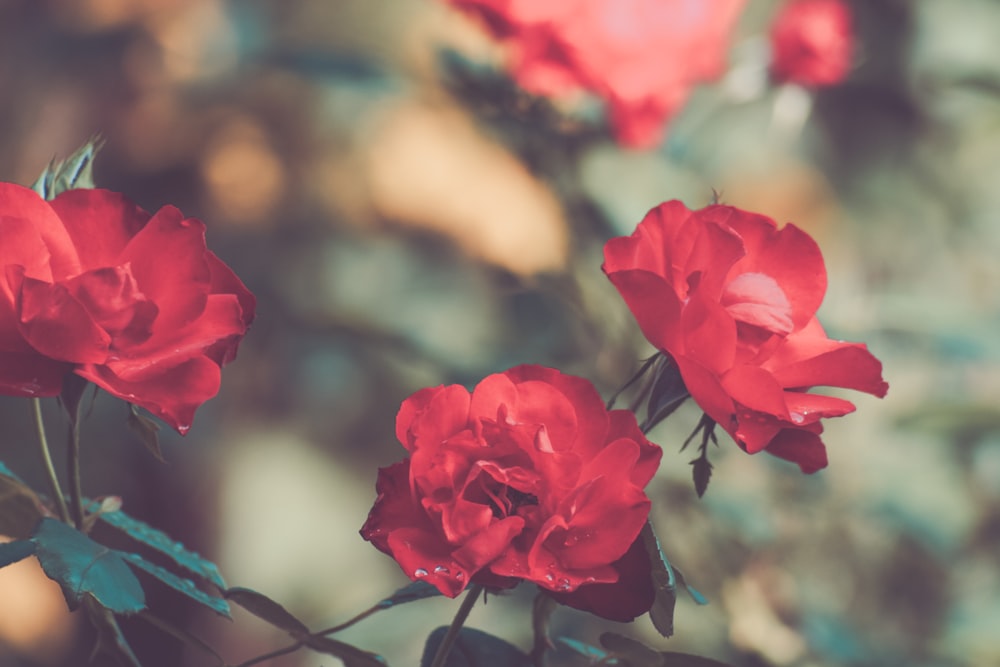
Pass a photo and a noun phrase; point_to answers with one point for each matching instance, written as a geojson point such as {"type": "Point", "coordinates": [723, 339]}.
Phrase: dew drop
{"type": "Point", "coordinates": [798, 418]}
{"type": "Point", "coordinates": [420, 573]}
{"type": "Point", "coordinates": [564, 584]}
{"type": "Point", "coordinates": [549, 577]}
{"type": "Point", "coordinates": [460, 575]}
{"type": "Point", "coordinates": [441, 569]}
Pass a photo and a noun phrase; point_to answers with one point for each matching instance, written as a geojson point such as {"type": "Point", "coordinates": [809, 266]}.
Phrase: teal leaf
{"type": "Point", "coordinates": [664, 583]}
{"type": "Point", "coordinates": [179, 584]}
{"type": "Point", "coordinates": [161, 542]}
{"type": "Point", "coordinates": [351, 656]}
{"type": "Point", "coordinates": [692, 591]}
{"type": "Point", "coordinates": [418, 590]}
{"type": "Point", "coordinates": [20, 506]}
{"type": "Point", "coordinates": [81, 566]}
{"type": "Point", "coordinates": [267, 609]}
{"type": "Point", "coordinates": [592, 653]}
{"type": "Point", "coordinates": [475, 648]}
{"type": "Point", "coordinates": [76, 171]}
{"type": "Point", "coordinates": [12, 552]}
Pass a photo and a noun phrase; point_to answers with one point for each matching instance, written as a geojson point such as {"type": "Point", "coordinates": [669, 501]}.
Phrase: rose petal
{"type": "Point", "coordinates": [800, 446]}
{"type": "Point", "coordinates": [100, 224]}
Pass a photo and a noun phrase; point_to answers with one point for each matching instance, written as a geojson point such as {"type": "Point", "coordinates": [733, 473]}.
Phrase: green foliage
{"type": "Point", "coordinates": [267, 609]}
{"type": "Point", "coordinates": [179, 584]}
{"type": "Point", "coordinates": [147, 430]}
{"type": "Point", "coordinates": [76, 171]}
{"type": "Point", "coordinates": [350, 655]}
{"type": "Point", "coordinates": [12, 552]}
{"type": "Point", "coordinates": [418, 590]}
{"type": "Point", "coordinates": [664, 582]}
{"type": "Point", "coordinates": [20, 506]}
{"type": "Point", "coordinates": [159, 541]}
{"type": "Point", "coordinates": [83, 567]}
{"type": "Point", "coordinates": [475, 648]}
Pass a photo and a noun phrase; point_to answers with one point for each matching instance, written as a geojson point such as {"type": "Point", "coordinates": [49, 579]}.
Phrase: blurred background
{"type": "Point", "coordinates": [407, 218]}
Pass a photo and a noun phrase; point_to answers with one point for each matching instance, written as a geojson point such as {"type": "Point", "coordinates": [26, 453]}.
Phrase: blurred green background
{"type": "Point", "coordinates": [406, 219]}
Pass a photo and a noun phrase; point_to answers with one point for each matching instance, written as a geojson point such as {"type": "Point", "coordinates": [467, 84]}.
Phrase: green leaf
{"type": "Point", "coordinates": [76, 171]}
{"type": "Point", "coordinates": [692, 591]}
{"type": "Point", "coordinates": [147, 430]}
{"type": "Point", "coordinates": [630, 651]}
{"type": "Point", "coordinates": [673, 659]}
{"type": "Point", "coordinates": [161, 542]}
{"type": "Point", "coordinates": [592, 653]}
{"type": "Point", "coordinates": [81, 566]}
{"type": "Point", "coordinates": [352, 656]}
{"type": "Point", "coordinates": [475, 648]}
{"type": "Point", "coordinates": [664, 583]}
{"type": "Point", "coordinates": [20, 506]}
{"type": "Point", "coordinates": [12, 552]}
{"type": "Point", "coordinates": [179, 584]}
{"type": "Point", "coordinates": [267, 609]}
{"type": "Point", "coordinates": [418, 590]}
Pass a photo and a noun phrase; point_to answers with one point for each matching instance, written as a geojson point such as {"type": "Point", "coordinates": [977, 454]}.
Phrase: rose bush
{"type": "Point", "coordinates": [812, 42]}
{"type": "Point", "coordinates": [93, 285]}
{"type": "Point", "coordinates": [642, 57]}
{"type": "Point", "coordinates": [732, 299]}
{"type": "Point", "coordinates": [527, 477]}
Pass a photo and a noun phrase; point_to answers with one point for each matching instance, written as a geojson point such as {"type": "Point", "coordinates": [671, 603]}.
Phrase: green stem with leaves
{"type": "Point", "coordinates": [50, 471]}
{"type": "Point", "coordinates": [444, 648]}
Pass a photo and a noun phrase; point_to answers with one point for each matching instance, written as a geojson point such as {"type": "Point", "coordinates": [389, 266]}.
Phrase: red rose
{"type": "Point", "coordinates": [732, 299]}
{"type": "Point", "coordinates": [526, 478]}
{"type": "Point", "coordinates": [91, 284]}
{"type": "Point", "coordinates": [812, 42]}
{"type": "Point", "coordinates": [642, 57]}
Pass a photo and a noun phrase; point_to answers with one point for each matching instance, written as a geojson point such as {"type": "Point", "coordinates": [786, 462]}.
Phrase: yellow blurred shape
{"type": "Point", "coordinates": [244, 177]}
{"type": "Point", "coordinates": [429, 167]}
{"type": "Point", "coordinates": [34, 620]}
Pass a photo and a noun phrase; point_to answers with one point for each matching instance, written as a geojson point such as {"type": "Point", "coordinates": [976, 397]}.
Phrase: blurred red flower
{"type": "Point", "coordinates": [528, 477]}
{"type": "Point", "coordinates": [732, 299]}
{"type": "Point", "coordinates": [92, 284]}
{"type": "Point", "coordinates": [812, 42]}
{"type": "Point", "coordinates": [642, 57]}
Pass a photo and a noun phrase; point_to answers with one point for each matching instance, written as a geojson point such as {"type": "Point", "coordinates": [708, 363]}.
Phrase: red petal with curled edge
{"type": "Point", "coordinates": [172, 395]}
{"type": "Point", "coordinates": [799, 446]}
{"type": "Point", "coordinates": [631, 596]}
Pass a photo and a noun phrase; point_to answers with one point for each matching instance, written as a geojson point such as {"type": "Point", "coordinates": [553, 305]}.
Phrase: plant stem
{"type": "Point", "coordinates": [291, 648]}
{"type": "Point", "coordinates": [73, 463]}
{"type": "Point", "coordinates": [43, 445]}
{"type": "Point", "coordinates": [346, 624]}
{"type": "Point", "coordinates": [444, 648]}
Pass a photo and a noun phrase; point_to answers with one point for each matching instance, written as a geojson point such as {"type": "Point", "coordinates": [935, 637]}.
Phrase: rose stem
{"type": "Point", "coordinates": [43, 445]}
{"type": "Point", "coordinates": [444, 648]}
{"type": "Point", "coordinates": [73, 462]}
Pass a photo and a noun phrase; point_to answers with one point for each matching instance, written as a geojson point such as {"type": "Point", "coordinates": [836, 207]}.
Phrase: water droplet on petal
{"type": "Point", "coordinates": [798, 418]}
{"type": "Point", "coordinates": [549, 577]}
{"type": "Point", "coordinates": [441, 569]}
{"type": "Point", "coordinates": [420, 572]}
{"type": "Point", "coordinates": [564, 584]}
{"type": "Point", "coordinates": [460, 575]}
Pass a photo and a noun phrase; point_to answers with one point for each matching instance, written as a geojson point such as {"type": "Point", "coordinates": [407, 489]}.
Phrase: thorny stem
{"type": "Point", "coordinates": [444, 648]}
{"type": "Point", "coordinates": [43, 446]}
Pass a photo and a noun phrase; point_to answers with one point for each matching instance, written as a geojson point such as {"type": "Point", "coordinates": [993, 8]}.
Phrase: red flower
{"type": "Point", "coordinates": [812, 42]}
{"type": "Point", "coordinates": [732, 299]}
{"type": "Point", "coordinates": [526, 478]}
{"type": "Point", "coordinates": [642, 57]}
{"type": "Point", "coordinates": [91, 284]}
